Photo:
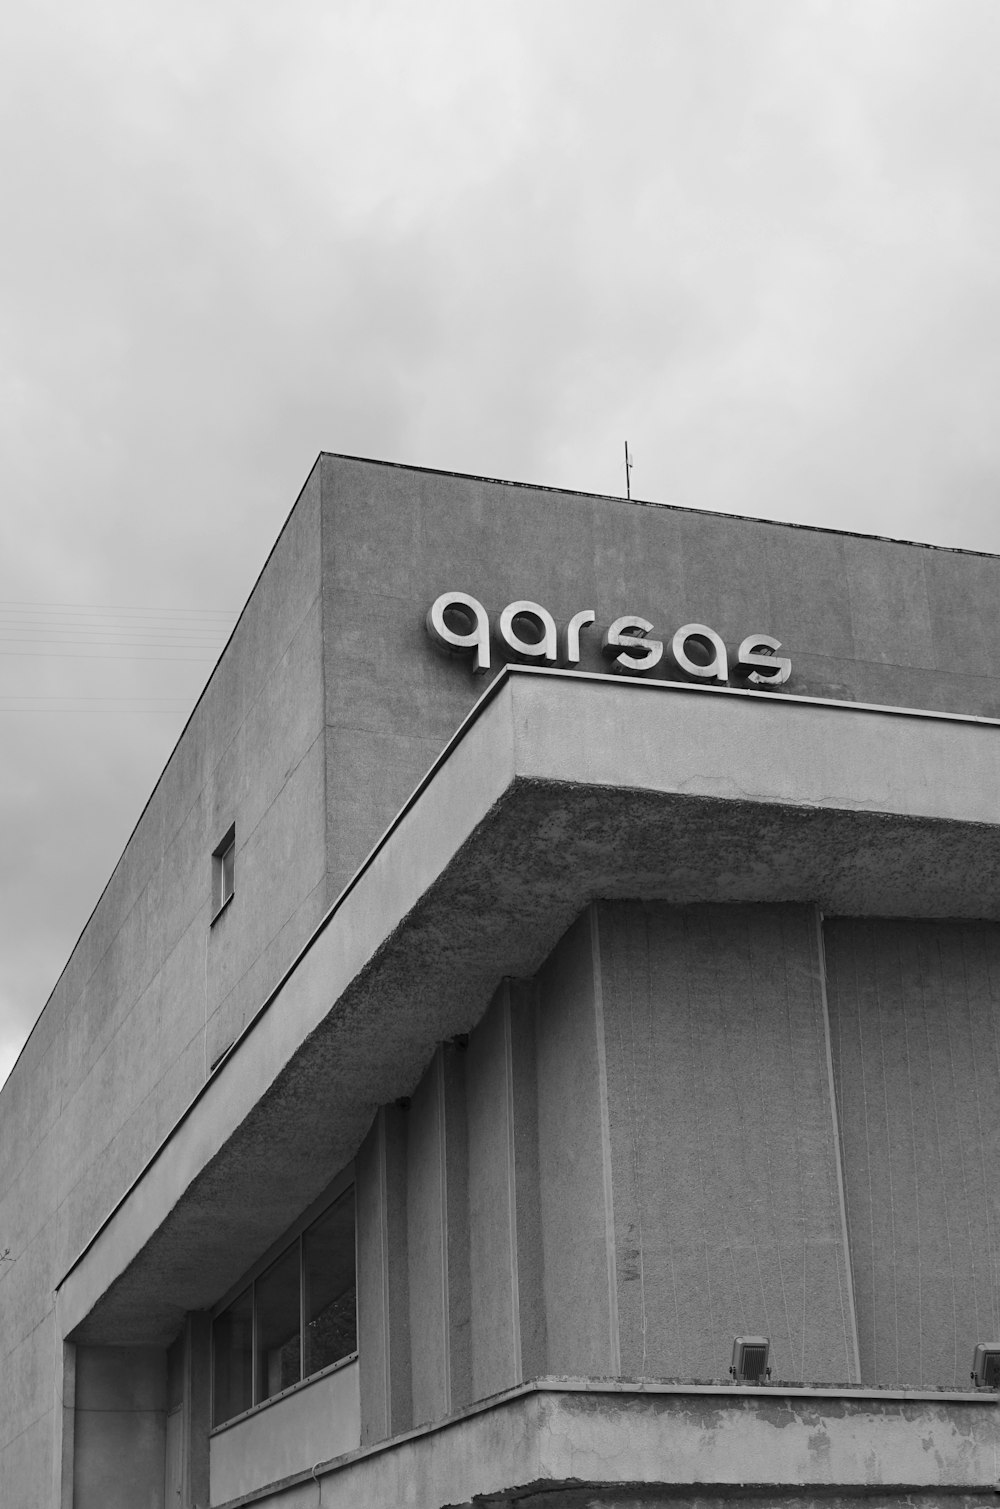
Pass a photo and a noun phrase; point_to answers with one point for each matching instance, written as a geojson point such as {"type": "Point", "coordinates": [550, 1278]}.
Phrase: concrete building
{"type": "Point", "coordinates": [501, 1007]}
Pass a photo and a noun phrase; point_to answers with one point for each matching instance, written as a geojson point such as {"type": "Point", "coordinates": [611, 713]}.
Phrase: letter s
{"type": "Point", "coordinates": [629, 633]}
{"type": "Point", "coordinates": [757, 659]}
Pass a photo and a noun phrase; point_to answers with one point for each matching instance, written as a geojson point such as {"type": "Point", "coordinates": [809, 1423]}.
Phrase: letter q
{"type": "Point", "coordinates": [474, 641]}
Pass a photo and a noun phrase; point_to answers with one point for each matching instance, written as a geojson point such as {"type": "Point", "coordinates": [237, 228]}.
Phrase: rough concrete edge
{"type": "Point", "coordinates": [703, 513]}
{"type": "Point", "coordinates": [736, 1393]}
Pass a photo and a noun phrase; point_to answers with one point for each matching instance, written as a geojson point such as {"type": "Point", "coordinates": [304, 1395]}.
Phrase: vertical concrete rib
{"type": "Point", "coordinates": [383, 1299]}
{"type": "Point", "coordinates": [64, 1417]}
{"type": "Point", "coordinates": [383, 1235]}
{"type": "Point", "coordinates": [394, 1130]}
{"type": "Point", "coordinates": [852, 1314]}
{"type": "Point", "coordinates": [495, 1323]}
{"type": "Point", "coordinates": [523, 1007]}
{"type": "Point", "coordinates": [614, 1349]}
{"type": "Point", "coordinates": [442, 1171]}
{"type": "Point", "coordinates": [515, 1295]}
{"type": "Point", "coordinates": [455, 1149]}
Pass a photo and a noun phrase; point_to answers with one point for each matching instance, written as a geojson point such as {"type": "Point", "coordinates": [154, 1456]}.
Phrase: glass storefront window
{"type": "Point", "coordinates": [296, 1318]}
{"type": "Point", "coordinates": [232, 1359]}
{"type": "Point", "coordinates": [330, 1304]}
{"type": "Point", "coordinates": [279, 1320]}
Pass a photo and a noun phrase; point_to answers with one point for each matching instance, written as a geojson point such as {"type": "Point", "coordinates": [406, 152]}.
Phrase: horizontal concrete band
{"type": "Point", "coordinates": [587, 1433]}
{"type": "Point", "coordinates": [558, 789]}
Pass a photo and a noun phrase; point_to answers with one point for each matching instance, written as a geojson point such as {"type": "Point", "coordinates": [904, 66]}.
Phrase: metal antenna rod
{"type": "Point", "coordinates": [628, 473]}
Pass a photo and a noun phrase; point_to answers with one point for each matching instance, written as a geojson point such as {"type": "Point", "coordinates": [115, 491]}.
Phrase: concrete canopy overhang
{"type": "Point", "coordinates": [559, 788]}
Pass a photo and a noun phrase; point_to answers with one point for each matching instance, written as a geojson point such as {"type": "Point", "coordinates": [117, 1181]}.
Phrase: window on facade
{"type": "Point", "coordinates": [232, 1358]}
{"type": "Point", "coordinates": [279, 1324]}
{"type": "Point", "coordinates": [296, 1318]}
{"type": "Point", "coordinates": [330, 1302]}
{"type": "Point", "coordinates": [224, 872]}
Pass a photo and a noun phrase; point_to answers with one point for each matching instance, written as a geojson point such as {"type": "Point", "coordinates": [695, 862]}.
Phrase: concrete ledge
{"type": "Point", "coordinates": [559, 789]}
{"type": "Point", "coordinates": [586, 1441]}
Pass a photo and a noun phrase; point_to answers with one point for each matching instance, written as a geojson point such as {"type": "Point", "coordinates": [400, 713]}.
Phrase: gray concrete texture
{"type": "Point", "coordinates": [481, 877]}
{"type": "Point", "coordinates": [726, 1191]}
{"type": "Point", "coordinates": [151, 994]}
{"type": "Point", "coordinates": [120, 1428]}
{"type": "Point", "coordinates": [573, 1444]}
{"type": "Point", "coordinates": [304, 1426]}
{"type": "Point", "coordinates": [684, 1171]}
{"type": "Point", "coordinates": [915, 1032]}
{"type": "Point", "coordinates": [324, 711]}
{"type": "Point", "coordinates": [864, 620]}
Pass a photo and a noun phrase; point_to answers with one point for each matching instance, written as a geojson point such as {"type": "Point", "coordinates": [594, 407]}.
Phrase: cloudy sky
{"type": "Point", "coordinates": [758, 238]}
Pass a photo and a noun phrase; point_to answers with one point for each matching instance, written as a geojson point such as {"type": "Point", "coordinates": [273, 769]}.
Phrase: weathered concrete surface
{"type": "Point", "coordinates": [865, 620]}
{"type": "Point", "coordinates": [560, 1443]}
{"type": "Point", "coordinates": [151, 993]}
{"type": "Point", "coordinates": [915, 1033]}
{"type": "Point", "coordinates": [723, 1141]}
{"type": "Point", "coordinates": [150, 996]}
{"type": "Point", "coordinates": [541, 806]}
{"type": "Point", "coordinates": [120, 1428]}
{"type": "Point", "coordinates": [301, 1427]}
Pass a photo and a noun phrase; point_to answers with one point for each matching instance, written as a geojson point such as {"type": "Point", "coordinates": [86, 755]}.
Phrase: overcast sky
{"type": "Point", "coordinates": [758, 238]}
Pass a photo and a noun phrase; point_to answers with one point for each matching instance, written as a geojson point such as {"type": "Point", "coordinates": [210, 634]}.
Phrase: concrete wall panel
{"type": "Point", "coordinates": [394, 538]}
{"type": "Point", "coordinates": [527, 1191]}
{"type": "Point", "coordinates": [727, 1209]}
{"type": "Point", "coordinates": [313, 762]}
{"type": "Point", "coordinates": [120, 1048]}
{"type": "Point", "coordinates": [576, 1217]}
{"type": "Point", "coordinates": [372, 1319]}
{"type": "Point", "coordinates": [310, 1425]}
{"type": "Point", "coordinates": [120, 1428]}
{"type": "Point", "coordinates": [915, 1028]}
{"type": "Point", "coordinates": [385, 1388]}
{"type": "Point", "coordinates": [495, 1321]}
{"type": "Point", "coordinates": [458, 1274]}
{"type": "Point", "coordinates": [426, 1241]}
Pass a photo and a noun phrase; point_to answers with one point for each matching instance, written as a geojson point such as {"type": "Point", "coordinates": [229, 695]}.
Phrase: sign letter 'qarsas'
{"type": "Point", "coordinates": [527, 631]}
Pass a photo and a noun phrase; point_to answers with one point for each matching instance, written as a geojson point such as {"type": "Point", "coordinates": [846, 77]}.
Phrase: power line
{"type": "Point", "coordinates": [83, 697]}
{"type": "Point", "coordinates": [87, 655]}
{"type": "Point", "coordinates": [13, 602]}
{"type": "Point", "coordinates": [123, 625]}
{"type": "Point", "coordinates": [142, 644]}
{"type": "Point", "coordinates": [145, 712]}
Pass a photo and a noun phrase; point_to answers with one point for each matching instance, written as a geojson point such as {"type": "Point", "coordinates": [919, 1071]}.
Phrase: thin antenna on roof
{"type": "Point", "coordinates": [628, 473]}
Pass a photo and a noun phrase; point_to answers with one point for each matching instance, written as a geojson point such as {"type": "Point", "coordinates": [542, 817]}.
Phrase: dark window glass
{"type": "Point", "coordinates": [227, 868]}
{"type": "Point", "coordinates": [278, 1321]}
{"type": "Point", "coordinates": [232, 1350]}
{"type": "Point", "coordinates": [330, 1299]}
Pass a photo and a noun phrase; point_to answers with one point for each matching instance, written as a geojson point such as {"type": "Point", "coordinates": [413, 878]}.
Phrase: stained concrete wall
{"type": "Point", "coordinates": [152, 993]}
{"type": "Point", "coordinates": [656, 1160]}
{"type": "Point", "coordinates": [863, 620]}
{"type": "Point", "coordinates": [728, 1216]}
{"type": "Point", "coordinates": [151, 996]}
{"type": "Point", "coordinates": [577, 1444]}
{"type": "Point", "coordinates": [915, 1030]}
{"type": "Point", "coordinates": [318, 1420]}
{"type": "Point", "coordinates": [649, 1142]}
{"type": "Point", "coordinates": [120, 1429]}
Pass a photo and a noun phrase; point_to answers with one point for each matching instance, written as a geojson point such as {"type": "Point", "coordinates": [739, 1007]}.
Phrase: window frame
{"type": "Point", "coordinates": [292, 1236]}
{"type": "Point", "coordinates": [220, 898]}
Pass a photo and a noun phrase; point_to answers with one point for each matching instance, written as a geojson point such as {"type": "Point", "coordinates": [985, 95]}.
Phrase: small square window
{"type": "Point", "coordinates": [224, 872]}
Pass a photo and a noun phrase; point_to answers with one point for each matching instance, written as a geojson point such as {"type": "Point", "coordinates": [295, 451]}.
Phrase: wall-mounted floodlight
{"type": "Point", "coordinates": [750, 1354]}
{"type": "Point", "coordinates": [986, 1365]}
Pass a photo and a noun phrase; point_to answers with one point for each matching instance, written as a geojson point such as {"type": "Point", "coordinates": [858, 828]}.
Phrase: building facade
{"type": "Point", "coordinates": [564, 941]}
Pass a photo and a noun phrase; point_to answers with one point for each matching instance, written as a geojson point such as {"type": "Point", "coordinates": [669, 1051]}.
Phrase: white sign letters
{"type": "Point", "coordinates": [527, 631]}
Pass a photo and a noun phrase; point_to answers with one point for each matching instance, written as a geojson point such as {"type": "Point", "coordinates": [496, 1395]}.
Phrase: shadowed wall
{"type": "Point", "coordinates": [915, 1030]}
